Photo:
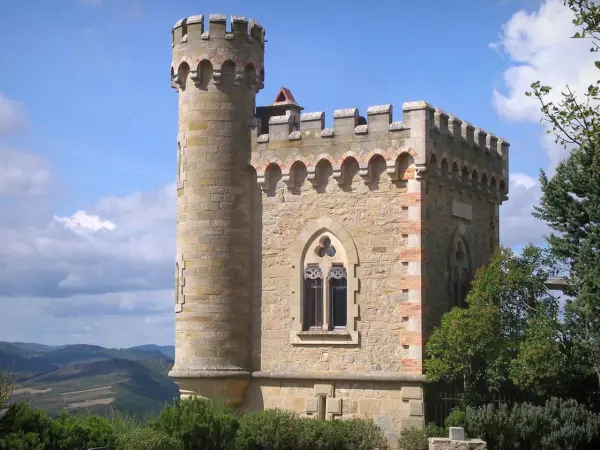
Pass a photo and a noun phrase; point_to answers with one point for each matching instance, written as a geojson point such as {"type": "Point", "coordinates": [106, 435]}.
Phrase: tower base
{"type": "Point", "coordinates": [226, 386]}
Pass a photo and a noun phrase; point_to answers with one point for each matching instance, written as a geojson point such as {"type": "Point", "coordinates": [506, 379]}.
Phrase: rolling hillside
{"type": "Point", "coordinates": [87, 377]}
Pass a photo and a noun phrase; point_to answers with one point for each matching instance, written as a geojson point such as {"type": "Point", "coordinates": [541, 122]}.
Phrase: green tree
{"type": "Point", "coordinates": [510, 331]}
{"type": "Point", "coordinates": [570, 201]}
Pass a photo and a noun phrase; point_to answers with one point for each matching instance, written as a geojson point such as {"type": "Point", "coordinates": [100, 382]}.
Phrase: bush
{"type": "Point", "coordinates": [269, 430]}
{"type": "Point", "coordinates": [24, 427]}
{"type": "Point", "coordinates": [456, 418]}
{"type": "Point", "coordinates": [199, 424]}
{"type": "Point", "coordinates": [559, 424]}
{"type": "Point", "coordinates": [283, 430]}
{"type": "Point", "coordinates": [417, 438]}
{"type": "Point", "coordinates": [28, 428]}
{"type": "Point", "coordinates": [192, 424]}
{"type": "Point", "coordinates": [77, 432]}
{"type": "Point", "coordinates": [147, 439]}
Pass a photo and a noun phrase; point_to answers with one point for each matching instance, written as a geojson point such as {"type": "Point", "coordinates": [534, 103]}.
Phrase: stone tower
{"type": "Point", "coordinates": [217, 74]}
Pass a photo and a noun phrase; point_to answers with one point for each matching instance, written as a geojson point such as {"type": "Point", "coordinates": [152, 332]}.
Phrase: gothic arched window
{"type": "Point", "coordinates": [325, 298]}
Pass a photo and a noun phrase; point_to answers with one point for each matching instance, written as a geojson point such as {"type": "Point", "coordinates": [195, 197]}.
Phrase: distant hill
{"type": "Point", "coordinates": [89, 377]}
{"type": "Point", "coordinates": [168, 350]}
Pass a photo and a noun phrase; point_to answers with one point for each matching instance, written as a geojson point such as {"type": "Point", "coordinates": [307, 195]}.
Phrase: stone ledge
{"type": "Point", "coordinates": [335, 337]}
{"type": "Point", "coordinates": [191, 373]}
{"type": "Point", "coordinates": [340, 376]}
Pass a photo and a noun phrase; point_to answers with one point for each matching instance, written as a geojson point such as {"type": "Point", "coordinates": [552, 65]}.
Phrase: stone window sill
{"type": "Point", "coordinates": [322, 337]}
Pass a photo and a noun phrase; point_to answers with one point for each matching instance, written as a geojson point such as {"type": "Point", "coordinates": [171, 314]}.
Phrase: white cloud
{"type": "Point", "coordinates": [12, 116]}
{"type": "Point", "coordinates": [83, 223]}
{"type": "Point", "coordinates": [518, 227]}
{"type": "Point", "coordinates": [539, 47]}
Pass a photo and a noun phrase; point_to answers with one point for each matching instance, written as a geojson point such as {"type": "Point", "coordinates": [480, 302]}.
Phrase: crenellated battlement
{"type": "Point", "coordinates": [208, 52]}
{"type": "Point", "coordinates": [241, 28]}
{"type": "Point", "coordinates": [457, 153]}
{"type": "Point", "coordinates": [379, 119]}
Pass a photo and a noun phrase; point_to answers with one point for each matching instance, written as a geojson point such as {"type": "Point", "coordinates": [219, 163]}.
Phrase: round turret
{"type": "Point", "coordinates": [217, 74]}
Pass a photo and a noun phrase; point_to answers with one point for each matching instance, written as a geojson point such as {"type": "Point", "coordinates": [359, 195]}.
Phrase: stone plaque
{"type": "Point", "coordinates": [462, 210]}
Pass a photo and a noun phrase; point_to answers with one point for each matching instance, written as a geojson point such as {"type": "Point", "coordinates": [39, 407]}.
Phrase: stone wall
{"type": "Point", "coordinates": [394, 406]}
{"type": "Point", "coordinates": [383, 221]}
{"type": "Point", "coordinates": [459, 203]}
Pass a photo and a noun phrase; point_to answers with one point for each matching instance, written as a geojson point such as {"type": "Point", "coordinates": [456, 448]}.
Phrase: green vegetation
{"type": "Point", "coordinates": [417, 439]}
{"type": "Point", "coordinates": [556, 424]}
{"type": "Point", "coordinates": [191, 425]}
{"type": "Point", "coordinates": [510, 336]}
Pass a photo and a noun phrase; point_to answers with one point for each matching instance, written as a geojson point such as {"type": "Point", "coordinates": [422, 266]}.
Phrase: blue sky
{"type": "Point", "coordinates": [88, 130]}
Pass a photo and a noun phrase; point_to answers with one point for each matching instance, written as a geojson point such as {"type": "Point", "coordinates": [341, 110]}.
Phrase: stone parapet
{"type": "Point", "coordinates": [450, 150]}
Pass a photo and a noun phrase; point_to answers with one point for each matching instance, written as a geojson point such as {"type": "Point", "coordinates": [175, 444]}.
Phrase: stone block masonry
{"type": "Point", "coordinates": [312, 262]}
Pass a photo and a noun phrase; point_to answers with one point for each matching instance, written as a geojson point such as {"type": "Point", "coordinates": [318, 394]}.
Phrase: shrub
{"type": "Point", "coordinates": [77, 432]}
{"type": "Point", "coordinates": [417, 438]}
{"type": "Point", "coordinates": [361, 434]}
{"type": "Point", "coordinates": [559, 424]}
{"type": "Point", "coordinates": [25, 427]}
{"type": "Point", "coordinates": [199, 424]}
{"type": "Point", "coordinates": [270, 429]}
{"type": "Point", "coordinates": [283, 430]}
{"type": "Point", "coordinates": [147, 439]}
{"type": "Point", "coordinates": [456, 418]}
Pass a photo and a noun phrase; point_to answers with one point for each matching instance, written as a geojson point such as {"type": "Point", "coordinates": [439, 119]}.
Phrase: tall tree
{"type": "Point", "coordinates": [510, 332]}
{"type": "Point", "coordinates": [570, 201]}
